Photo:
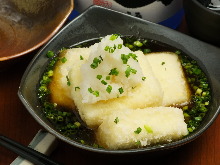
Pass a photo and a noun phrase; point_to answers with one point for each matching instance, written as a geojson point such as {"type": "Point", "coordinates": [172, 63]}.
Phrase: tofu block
{"type": "Point", "coordinates": [141, 127]}
{"type": "Point", "coordinates": [147, 94]}
{"type": "Point", "coordinates": [168, 70]}
{"type": "Point", "coordinates": [60, 91]}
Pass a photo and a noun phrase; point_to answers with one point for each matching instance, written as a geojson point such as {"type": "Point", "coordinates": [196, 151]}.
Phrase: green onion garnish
{"type": "Point", "coordinates": [104, 82]}
{"type": "Point", "coordinates": [90, 90]}
{"type": "Point", "coordinates": [50, 54]}
{"type": "Point", "coordinates": [119, 46]}
{"type": "Point", "coordinates": [116, 120]}
{"type": "Point", "coordinates": [148, 129]}
{"type": "Point", "coordinates": [107, 77]}
{"type": "Point", "coordinates": [114, 37]}
{"type": "Point", "coordinates": [143, 78]}
{"type": "Point", "coordinates": [121, 90]}
{"type": "Point", "coordinates": [114, 71]}
{"type": "Point", "coordinates": [109, 88]}
{"type": "Point", "coordinates": [138, 44]}
{"type": "Point", "coordinates": [130, 70]}
{"type": "Point", "coordinates": [96, 93]}
{"type": "Point", "coordinates": [99, 77]}
{"type": "Point", "coordinates": [68, 81]}
{"type": "Point", "coordinates": [63, 60]}
{"type": "Point", "coordinates": [138, 130]}
{"type": "Point", "coordinates": [77, 88]}
{"type": "Point", "coordinates": [95, 63]}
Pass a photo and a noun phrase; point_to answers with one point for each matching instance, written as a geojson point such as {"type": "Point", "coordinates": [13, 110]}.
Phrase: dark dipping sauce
{"type": "Point", "coordinates": [68, 123]}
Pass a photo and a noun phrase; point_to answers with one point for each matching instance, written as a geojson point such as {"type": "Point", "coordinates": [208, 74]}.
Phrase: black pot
{"type": "Point", "coordinates": [202, 22]}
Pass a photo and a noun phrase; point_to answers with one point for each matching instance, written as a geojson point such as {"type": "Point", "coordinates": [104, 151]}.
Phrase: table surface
{"type": "Point", "coordinates": [18, 124]}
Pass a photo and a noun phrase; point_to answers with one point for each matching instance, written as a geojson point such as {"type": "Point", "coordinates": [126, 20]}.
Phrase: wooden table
{"type": "Point", "coordinates": [18, 124]}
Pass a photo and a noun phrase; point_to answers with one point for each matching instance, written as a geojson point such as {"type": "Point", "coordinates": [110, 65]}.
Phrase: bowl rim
{"type": "Point", "coordinates": [42, 42]}
{"type": "Point", "coordinates": [100, 150]}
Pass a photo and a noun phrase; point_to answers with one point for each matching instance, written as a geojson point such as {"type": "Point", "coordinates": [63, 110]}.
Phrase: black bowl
{"type": "Point", "coordinates": [97, 22]}
{"type": "Point", "coordinates": [203, 23]}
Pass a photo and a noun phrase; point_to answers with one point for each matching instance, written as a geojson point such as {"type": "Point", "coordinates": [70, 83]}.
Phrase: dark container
{"type": "Point", "coordinates": [97, 22]}
{"type": "Point", "coordinates": [202, 22]}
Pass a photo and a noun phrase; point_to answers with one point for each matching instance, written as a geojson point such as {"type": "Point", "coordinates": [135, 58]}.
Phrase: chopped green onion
{"type": "Point", "coordinates": [138, 44]}
{"type": "Point", "coordinates": [77, 124]}
{"type": "Point", "coordinates": [99, 77]}
{"type": "Point", "coordinates": [116, 120]}
{"type": "Point", "coordinates": [185, 108]}
{"type": "Point", "coordinates": [106, 48]}
{"type": "Point", "coordinates": [130, 46]}
{"type": "Point", "coordinates": [138, 143]}
{"type": "Point", "coordinates": [198, 118]}
{"type": "Point", "coordinates": [130, 70]}
{"type": "Point", "coordinates": [60, 118]}
{"type": "Point", "coordinates": [95, 63]}
{"type": "Point", "coordinates": [101, 58]}
{"type": "Point", "coordinates": [107, 77]}
{"type": "Point", "coordinates": [148, 129]}
{"type": "Point", "coordinates": [190, 129]}
{"type": "Point", "coordinates": [114, 71]}
{"type": "Point", "coordinates": [125, 58]}
{"type": "Point", "coordinates": [121, 90]}
{"type": "Point", "coordinates": [81, 57]}
{"type": "Point", "coordinates": [119, 46]}
{"type": "Point", "coordinates": [207, 103]}
{"type": "Point", "coordinates": [43, 88]}
{"type": "Point", "coordinates": [96, 93]}
{"type": "Point", "coordinates": [68, 81]}
{"type": "Point", "coordinates": [50, 73]}
{"type": "Point", "coordinates": [186, 115]}
{"type": "Point", "coordinates": [198, 91]}
{"type": "Point", "coordinates": [109, 88]}
{"type": "Point", "coordinates": [90, 90]}
{"type": "Point", "coordinates": [143, 78]}
{"type": "Point", "coordinates": [77, 88]}
{"type": "Point", "coordinates": [162, 63]}
{"type": "Point", "coordinates": [134, 56]}
{"type": "Point", "coordinates": [50, 54]}
{"type": "Point", "coordinates": [145, 51]}
{"type": "Point", "coordinates": [104, 82]}
{"type": "Point", "coordinates": [178, 52]}
{"type": "Point", "coordinates": [138, 130]}
{"type": "Point", "coordinates": [82, 141]}
{"type": "Point", "coordinates": [63, 60]}
{"type": "Point", "coordinates": [111, 50]}
{"type": "Point", "coordinates": [114, 37]}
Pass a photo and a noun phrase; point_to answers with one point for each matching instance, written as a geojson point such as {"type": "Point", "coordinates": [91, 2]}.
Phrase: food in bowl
{"type": "Point", "coordinates": [129, 92]}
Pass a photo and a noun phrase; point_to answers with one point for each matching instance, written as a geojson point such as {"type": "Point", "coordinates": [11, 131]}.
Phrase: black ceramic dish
{"type": "Point", "coordinates": [203, 23]}
{"type": "Point", "coordinates": [98, 22]}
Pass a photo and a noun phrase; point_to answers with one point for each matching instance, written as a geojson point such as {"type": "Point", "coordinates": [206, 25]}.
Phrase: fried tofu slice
{"type": "Point", "coordinates": [141, 127]}
{"type": "Point", "coordinates": [168, 70]}
{"type": "Point", "coordinates": [60, 90]}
